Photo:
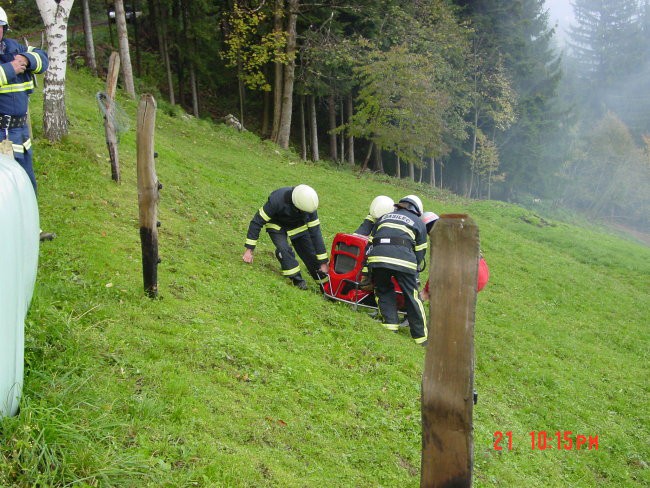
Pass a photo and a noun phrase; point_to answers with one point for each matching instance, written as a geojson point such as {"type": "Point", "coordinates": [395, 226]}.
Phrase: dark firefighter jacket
{"type": "Point", "coordinates": [16, 88]}
{"type": "Point", "coordinates": [279, 213]}
{"type": "Point", "coordinates": [366, 226]}
{"type": "Point", "coordinates": [399, 242]}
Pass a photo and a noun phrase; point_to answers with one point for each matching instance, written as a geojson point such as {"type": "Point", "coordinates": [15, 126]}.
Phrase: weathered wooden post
{"type": "Point", "coordinates": [109, 117]}
{"type": "Point", "coordinates": [448, 379]}
{"type": "Point", "coordinates": [148, 193]}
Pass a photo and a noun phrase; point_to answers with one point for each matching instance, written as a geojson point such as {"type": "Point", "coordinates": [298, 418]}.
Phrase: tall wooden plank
{"type": "Point", "coordinates": [448, 379]}
{"type": "Point", "coordinates": [148, 193]}
{"type": "Point", "coordinates": [109, 120]}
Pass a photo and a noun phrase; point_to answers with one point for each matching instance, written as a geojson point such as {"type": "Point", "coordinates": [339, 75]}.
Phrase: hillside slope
{"type": "Point", "coordinates": [232, 378]}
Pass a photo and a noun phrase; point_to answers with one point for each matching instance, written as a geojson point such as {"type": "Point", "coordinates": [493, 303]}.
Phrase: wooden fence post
{"type": "Point", "coordinates": [148, 193]}
{"type": "Point", "coordinates": [448, 379]}
{"type": "Point", "coordinates": [109, 119]}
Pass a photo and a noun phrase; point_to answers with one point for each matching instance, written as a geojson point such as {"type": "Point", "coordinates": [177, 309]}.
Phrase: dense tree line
{"type": "Point", "coordinates": [469, 95]}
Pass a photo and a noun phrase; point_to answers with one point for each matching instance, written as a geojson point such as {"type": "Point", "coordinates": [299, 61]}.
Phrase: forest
{"type": "Point", "coordinates": [477, 97]}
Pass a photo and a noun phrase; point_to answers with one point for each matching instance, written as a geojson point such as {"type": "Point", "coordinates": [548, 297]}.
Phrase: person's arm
{"type": "Point", "coordinates": [313, 224]}
{"type": "Point", "coordinates": [259, 220]}
{"type": "Point", "coordinates": [421, 246]}
{"type": "Point", "coordinates": [38, 61]}
{"type": "Point", "coordinates": [366, 226]}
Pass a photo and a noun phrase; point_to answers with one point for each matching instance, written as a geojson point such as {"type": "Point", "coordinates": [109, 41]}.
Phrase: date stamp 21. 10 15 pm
{"type": "Point", "coordinates": [541, 440]}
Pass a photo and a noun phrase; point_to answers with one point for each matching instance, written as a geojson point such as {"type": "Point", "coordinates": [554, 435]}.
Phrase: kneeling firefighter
{"type": "Point", "coordinates": [290, 213]}
{"type": "Point", "coordinates": [399, 243]}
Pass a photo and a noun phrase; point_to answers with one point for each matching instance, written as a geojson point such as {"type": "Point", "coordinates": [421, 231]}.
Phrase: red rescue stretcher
{"type": "Point", "coordinates": [346, 263]}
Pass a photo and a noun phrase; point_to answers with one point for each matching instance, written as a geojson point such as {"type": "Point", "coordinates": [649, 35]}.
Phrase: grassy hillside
{"type": "Point", "coordinates": [232, 378]}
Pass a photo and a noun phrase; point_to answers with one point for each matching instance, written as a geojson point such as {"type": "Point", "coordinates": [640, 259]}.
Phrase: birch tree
{"type": "Point", "coordinates": [55, 18]}
{"type": "Point", "coordinates": [123, 42]}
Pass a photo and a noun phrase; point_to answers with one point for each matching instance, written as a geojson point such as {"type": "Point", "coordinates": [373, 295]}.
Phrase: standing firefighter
{"type": "Point", "coordinates": [290, 213]}
{"type": "Point", "coordinates": [18, 64]}
{"type": "Point", "coordinates": [399, 243]}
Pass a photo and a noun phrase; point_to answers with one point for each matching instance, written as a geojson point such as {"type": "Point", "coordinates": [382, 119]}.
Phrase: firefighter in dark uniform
{"type": "Point", "coordinates": [378, 207]}
{"type": "Point", "coordinates": [18, 64]}
{"type": "Point", "coordinates": [399, 243]}
{"type": "Point", "coordinates": [290, 213]}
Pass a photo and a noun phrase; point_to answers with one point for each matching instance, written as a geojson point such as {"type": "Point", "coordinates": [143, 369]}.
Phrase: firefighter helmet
{"type": "Point", "coordinates": [305, 198]}
{"type": "Point", "coordinates": [3, 18]}
{"type": "Point", "coordinates": [381, 205]}
{"type": "Point", "coordinates": [414, 202]}
{"type": "Point", "coordinates": [429, 218]}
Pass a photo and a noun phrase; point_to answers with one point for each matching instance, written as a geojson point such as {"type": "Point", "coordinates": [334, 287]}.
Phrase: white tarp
{"type": "Point", "coordinates": [19, 241]}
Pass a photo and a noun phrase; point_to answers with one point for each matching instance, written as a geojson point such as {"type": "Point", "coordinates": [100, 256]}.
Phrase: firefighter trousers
{"type": "Point", "coordinates": [387, 301]}
{"type": "Point", "coordinates": [287, 258]}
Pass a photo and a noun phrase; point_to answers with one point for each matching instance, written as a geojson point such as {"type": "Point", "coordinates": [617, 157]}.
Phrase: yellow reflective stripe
{"type": "Point", "coordinates": [263, 214]}
{"type": "Point", "coordinates": [3, 77]}
{"type": "Point", "coordinates": [18, 148]}
{"type": "Point", "coordinates": [323, 280]}
{"type": "Point", "coordinates": [321, 257]}
{"type": "Point", "coordinates": [364, 270]}
{"type": "Point", "coordinates": [17, 87]}
{"type": "Point", "coordinates": [403, 228]}
{"type": "Point", "coordinates": [370, 218]}
{"type": "Point", "coordinates": [416, 295]}
{"type": "Point", "coordinates": [313, 223]}
{"type": "Point", "coordinates": [387, 260]}
{"type": "Point", "coordinates": [27, 144]}
{"type": "Point", "coordinates": [420, 340]}
{"type": "Point", "coordinates": [297, 230]}
{"type": "Point", "coordinates": [251, 242]}
{"type": "Point", "coordinates": [421, 246]}
{"type": "Point", "coordinates": [292, 271]}
{"type": "Point", "coordinates": [274, 226]}
{"type": "Point", "coordinates": [37, 59]}
{"type": "Point", "coordinates": [391, 326]}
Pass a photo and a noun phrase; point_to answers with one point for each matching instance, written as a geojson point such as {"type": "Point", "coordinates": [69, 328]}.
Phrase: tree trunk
{"type": "Point", "coordinates": [278, 72]}
{"type": "Point", "coordinates": [195, 94]}
{"type": "Point", "coordinates": [55, 18]}
{"type": "Point", "coordinates": [303, 136]}
{"type": "Point", "coordinates": [421, 171]}
{"type": "Point", "coordinates": [91, 61]}
{"type": "Point", "coordinates": [123, 41]}
{"type": "Point", "coordinates": [136, 39]}
{"type": "Point", "coordinates": [432, 175]}
{"type": "Point", "coordinates": [266, 107]}
{"type": "Point", "coordinates": [351, 137]}
{"type": "Point", "coordinates": [164, 51]}
{"type": "Point", "coordinates": [342, 138]}
{"type": "Point", "coordinates": [365, 161]}
{"type": "Point", "coordinates": [331, 106]}
{"type": "Point", "coordinates": [412, 171]}
{"type": "Point", "coordinates": [398, 169]}
{"type": "Point", "coordinates": [313, 128]}
{"type": "Point", "coordinates": [379, 162]}
{"type": "Point", "coordinates": [284, 132]}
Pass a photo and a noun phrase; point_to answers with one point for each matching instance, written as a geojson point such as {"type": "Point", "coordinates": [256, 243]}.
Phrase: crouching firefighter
{"type": "Point", "coordinates": [290, 213]}
{"type": "Point", "coordinates": [399, 243]}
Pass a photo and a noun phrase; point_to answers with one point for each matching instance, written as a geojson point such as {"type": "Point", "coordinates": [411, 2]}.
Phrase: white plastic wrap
{"type": "Point", "coordinates": [19, 241]}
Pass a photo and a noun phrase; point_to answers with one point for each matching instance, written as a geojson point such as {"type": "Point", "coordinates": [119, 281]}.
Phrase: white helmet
{"type": "Point", "coordinates": [3, 18]}
{"type": "Point", "coordinates": [305, 198]}
{"type": "Point", "coordinates": [381, 205]}
{"type": "Point", "coordinates": [429, 218]}
{"type": "Point", "coordinates": [415, 202]}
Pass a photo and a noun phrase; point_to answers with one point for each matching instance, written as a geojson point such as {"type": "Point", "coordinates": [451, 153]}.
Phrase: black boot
{"type": "Point", "coordinates": [299, 282]}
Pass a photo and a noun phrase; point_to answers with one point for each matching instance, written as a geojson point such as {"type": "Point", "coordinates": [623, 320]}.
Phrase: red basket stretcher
{"type": "Point", "coordinates": [346, 263]}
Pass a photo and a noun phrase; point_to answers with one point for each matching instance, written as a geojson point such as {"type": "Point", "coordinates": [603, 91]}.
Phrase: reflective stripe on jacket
{"type": "Point", "coordinates": [404, 226]}
{"type": "Point", "coordinates": [280, 214]}
{"type": "Point", "coordinates": [16, 88]}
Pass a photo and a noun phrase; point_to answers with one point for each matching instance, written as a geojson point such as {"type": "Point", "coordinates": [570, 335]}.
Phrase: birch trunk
{"type": "Point", "coordinates": [303, 137]}
{"type": "Point", "coordinates": [123, 42]}
{"type": "Point", "coordinates": [350, 138]}
{"type": "Point", "coordinates": [55, 18]}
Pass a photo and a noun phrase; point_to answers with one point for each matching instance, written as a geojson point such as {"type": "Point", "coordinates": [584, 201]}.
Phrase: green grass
{"type": "Point", "coordinates": [233, 378]}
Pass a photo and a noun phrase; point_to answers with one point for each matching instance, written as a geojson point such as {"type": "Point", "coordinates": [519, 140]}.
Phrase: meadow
{"type": "Point", "coordinates": [233, 378]}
